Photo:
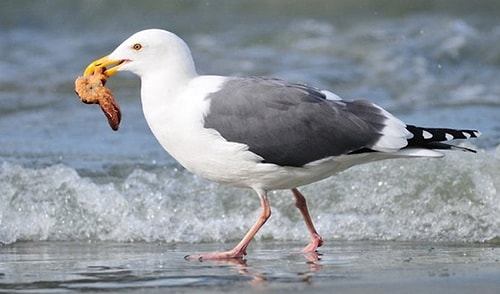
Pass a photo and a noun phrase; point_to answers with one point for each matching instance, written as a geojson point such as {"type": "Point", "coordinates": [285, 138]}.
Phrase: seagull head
{"type": "Point", "coordinates": [148, 52]}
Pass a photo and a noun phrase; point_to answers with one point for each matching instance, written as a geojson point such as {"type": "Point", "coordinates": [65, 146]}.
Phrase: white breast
{"type": "Point", "coordinates": [177, 123]}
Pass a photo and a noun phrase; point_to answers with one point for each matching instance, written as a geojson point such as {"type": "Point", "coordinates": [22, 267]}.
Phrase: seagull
{"type": "Point", "coordinates": [261, 133]}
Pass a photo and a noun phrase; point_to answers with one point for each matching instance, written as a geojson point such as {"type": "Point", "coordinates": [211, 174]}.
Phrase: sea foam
{"type": "Point", "coordinates": [451, 199]}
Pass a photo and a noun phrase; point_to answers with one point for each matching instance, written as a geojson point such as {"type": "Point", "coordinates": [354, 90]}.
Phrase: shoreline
{"type": "Point", "coordinates": [349, 267]}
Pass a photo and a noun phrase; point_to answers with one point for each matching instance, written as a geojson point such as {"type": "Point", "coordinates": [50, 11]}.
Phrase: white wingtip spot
{"type": "Point", "coordinates": [426, 135]}
{"type": "Point", "coordinates": [466, 135]}
{"type": "Point", "coordinates": [450, 136]}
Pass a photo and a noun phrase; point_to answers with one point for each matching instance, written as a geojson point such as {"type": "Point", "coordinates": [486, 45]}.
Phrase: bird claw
{"type": "Point", "coordinates": [226, 255]}
{"type": "Point", "coordinates": [316, 241]}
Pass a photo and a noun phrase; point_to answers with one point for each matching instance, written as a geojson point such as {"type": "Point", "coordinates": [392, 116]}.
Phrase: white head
{"type": "Point", "coordinates": [147, 52]}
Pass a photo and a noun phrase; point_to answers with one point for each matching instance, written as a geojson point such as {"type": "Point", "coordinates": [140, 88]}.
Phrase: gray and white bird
{"type": "Point", "coordinates": [261, 133]}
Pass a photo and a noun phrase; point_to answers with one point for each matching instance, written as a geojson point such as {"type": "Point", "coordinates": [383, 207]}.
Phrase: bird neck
{"type": "Point", "coordinates": [166, 84]}
{"type": "Point", "coordinates": [160, 93]}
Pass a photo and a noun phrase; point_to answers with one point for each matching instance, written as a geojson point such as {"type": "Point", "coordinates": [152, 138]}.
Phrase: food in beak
{"type": "Point", "coordinates": [91, 90]}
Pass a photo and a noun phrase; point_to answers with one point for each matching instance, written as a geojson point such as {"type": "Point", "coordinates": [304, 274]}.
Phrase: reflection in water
{"type": "Point", "coordinates": [258, 276]}
{"type": "Point", "coordinates": [62, 266]}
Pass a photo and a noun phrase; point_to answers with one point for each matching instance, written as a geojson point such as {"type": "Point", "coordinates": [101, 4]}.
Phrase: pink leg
{"type": "Point", "coordinates": [240, 250]}
{"type": "Point", "coordinates": [315, 239]}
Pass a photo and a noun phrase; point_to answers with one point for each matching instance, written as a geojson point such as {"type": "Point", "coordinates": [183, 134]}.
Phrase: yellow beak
{"type": "Point", "coordinates": [104, 62]}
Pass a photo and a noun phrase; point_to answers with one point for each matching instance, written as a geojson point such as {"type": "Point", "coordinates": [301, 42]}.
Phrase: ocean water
{"type": "Point", "coordinates": [65, 176]}
{"type": "Point", "coordinates": [83, 208]}
{"type": "Point", "coordinates": [347, 267]}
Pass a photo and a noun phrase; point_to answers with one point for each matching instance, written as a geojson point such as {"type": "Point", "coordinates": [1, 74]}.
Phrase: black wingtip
{"type": "Point", "coordinates": [460, 148]}
{"type": "Point", "coordinates": [431, 138]}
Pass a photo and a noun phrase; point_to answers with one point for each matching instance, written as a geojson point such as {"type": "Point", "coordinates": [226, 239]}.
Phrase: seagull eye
{"type": "Point", "coordinates": [137, 46]}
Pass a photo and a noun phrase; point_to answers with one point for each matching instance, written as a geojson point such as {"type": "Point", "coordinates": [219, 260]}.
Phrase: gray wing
{"type": "Point", "coordinates": [291, 124]}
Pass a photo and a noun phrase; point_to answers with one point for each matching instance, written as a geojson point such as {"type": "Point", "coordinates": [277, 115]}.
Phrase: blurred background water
{"type": "Point", "coordinates": [64, 175]}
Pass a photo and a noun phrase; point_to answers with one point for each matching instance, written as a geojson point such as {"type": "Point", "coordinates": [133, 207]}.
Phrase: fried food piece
{"type": "Point", "coordinates": [91, 90]}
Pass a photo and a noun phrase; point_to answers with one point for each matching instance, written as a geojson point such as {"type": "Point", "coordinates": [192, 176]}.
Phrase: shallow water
{"type": "Point", "coordinates": [67, 179]}
{"type": "Point", "coordinates": [348, 267]}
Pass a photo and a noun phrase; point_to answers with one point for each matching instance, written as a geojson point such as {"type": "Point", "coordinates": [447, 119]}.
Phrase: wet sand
{"type": "Point", "coordinates": [346, 267]}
